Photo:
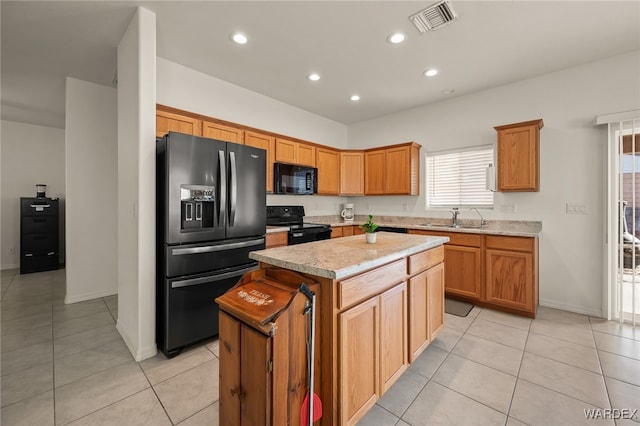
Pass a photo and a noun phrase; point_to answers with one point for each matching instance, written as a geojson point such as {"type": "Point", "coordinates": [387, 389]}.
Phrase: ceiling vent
{"type": "Point", "coordinates": [434, 17]}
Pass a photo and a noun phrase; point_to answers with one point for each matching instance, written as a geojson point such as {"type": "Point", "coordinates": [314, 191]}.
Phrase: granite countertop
{"type": "Point", "coordinates": [514, 228]}
{"type": "Point", "coordinates": [342, 257]}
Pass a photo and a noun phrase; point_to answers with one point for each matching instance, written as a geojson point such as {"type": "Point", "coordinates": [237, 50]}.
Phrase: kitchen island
{"type": "Point", "coordinates": [378, 307]}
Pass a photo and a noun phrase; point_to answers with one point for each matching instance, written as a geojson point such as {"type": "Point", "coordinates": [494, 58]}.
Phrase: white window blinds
{"type": "Point", "coordinates": [458, 178]}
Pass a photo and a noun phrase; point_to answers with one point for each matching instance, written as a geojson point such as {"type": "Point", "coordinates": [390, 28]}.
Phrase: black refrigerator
{"type": "Point", "coordinates": [211, 212]}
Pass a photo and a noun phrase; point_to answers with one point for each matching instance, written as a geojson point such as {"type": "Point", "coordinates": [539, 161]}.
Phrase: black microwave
{"type": "Point", "coordinates": [296, 180]}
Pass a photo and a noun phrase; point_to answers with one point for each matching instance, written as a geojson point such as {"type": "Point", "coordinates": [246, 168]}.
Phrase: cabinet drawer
{"type": "Point", "coordinates": [276, 239]}
{"type": "Point", "coordinates": [38, 207]}
{"type": "Point", "coordinates": [363, 286]}
{"type": "Point", "coordinates": [425, 259]}
{"type": "Point", "coordinates": [510, 243]}
{"type": "Point", "coordinates": [460, 239]}
{"type": "Point", "coordinates": [30, 264]}
{"type": "Point", "coordinates": [40, 225]}
{"type": "Point", "coordinates": [37, 244]}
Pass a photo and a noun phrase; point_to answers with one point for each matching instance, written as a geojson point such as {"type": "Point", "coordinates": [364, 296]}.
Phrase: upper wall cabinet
{"type": "Point", "coordinates": [393, 170]}
{"type": "Point", "coordinates": [267, 143]}
{"type": "Point", "coordinates": [222, 132]}
{"type": "Point", "coordinates": [328, 164]}
{"type": "Point", "coordinates": [288, 151]}
{"type": "Point", "coordinates": [351, 173]}
{"type": "Point", "coordinates": [170, 122]}
{"type": "Point", "coordinates": [519, 156]}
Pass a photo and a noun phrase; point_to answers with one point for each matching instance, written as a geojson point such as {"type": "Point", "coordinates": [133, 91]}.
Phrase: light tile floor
{"type": "Point", "coordinates": [67, 365]}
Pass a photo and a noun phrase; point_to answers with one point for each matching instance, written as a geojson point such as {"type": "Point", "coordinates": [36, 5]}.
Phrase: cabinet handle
{"type": "Point", "coordinates": [28, 255]}
{"type": "Point", "coordinates": [51, 253]}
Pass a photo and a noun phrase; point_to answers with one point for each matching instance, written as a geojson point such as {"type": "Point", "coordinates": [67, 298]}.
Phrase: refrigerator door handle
{"type": "Point", "coordinates": [222, 170]}
{"type": "Point", "coordinates": [233, 189]}
{"type": "Point", "coordinates": [219, 247]}
{"type": "Point", "coordinates": [213, 278]}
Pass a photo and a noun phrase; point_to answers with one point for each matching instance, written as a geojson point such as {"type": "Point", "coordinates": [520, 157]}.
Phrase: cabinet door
{"type": "Point", "coordinates": [359, 360]}
{"type": "Point", "coordinates": [435, 300]}
{"type": "Point", "coordinates": [337, 231]}
{"type": "Point", "coordinates": [306, 155]}
{"type": "Point", "coordinates": [374, 172]}
{"type": "Point", "coordinates": [258, 140]}
{"type": "Point", "coordinates": [509, 279]}
{"type": "Point", "coordinates": [347, 231]}
{"type": "Point", "coordinates": [328, 164]}
{"type": "Point", "coordinates": [418, 315]}
{"type": "Point", "coordinates": [357, 230]}
{"type": "Point", "coordinates": [229, 369]}
{"type": "Point", "coordinates": [394, 358]}
{"type": "Point", "coordinates": [462, 270]}
{"type": "Point", "coordinates": [169, 122]}
{"type": "Point", "coordinates": [286, 151]}
{"type": "Point", "coordinates": [352, 173]}
{"type": "Point", "coordinates": [518, 157]}
{"type": "Point", "coordinates": [397, 164]}
{"type": "Point", "coordinates": [221, 132]}
{"type": "Point", "coordinates": [276, 239]}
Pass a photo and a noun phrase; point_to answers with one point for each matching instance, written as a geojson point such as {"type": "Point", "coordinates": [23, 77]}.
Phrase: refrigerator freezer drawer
{"type": "Point", "coordinates": [200, 258]}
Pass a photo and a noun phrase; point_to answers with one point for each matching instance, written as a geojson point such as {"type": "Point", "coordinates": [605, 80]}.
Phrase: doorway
{"type": "Point", "coordinates": [622, 293]}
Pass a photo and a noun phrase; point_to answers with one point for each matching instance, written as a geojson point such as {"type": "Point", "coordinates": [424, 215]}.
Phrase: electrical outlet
{"type": "Point", "coordinates": [576, 208]}
{"type": "Point", "coordinates": [12, 251]}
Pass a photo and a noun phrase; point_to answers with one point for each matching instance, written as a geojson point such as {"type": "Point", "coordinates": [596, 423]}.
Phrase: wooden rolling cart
{"type": "Point", "coordinates": [263, 360]}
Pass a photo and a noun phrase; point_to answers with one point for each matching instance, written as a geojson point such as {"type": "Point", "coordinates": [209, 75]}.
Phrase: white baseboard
{"type": "Point", "coordinates": [594, 312]}
{"type": "Point", "coordinates": [75, 298]}
{"type": "Point", "coordinates": [10, 266]}
{"type": "Point", "coordinates": [139, 354]}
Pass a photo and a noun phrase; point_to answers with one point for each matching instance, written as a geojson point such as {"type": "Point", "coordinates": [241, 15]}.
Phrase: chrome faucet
{"type": "Point", "coordinates": [455, 212]}
{"type": "Point", "coordinates": [482, 221]}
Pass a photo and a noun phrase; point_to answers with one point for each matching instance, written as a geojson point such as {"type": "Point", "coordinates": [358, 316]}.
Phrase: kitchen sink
{"type": "Point", "coordinates": [449, 226]}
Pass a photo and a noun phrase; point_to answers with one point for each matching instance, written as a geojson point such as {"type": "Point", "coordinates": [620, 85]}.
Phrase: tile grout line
{"type": "Point", "coordinates": [513, 392]}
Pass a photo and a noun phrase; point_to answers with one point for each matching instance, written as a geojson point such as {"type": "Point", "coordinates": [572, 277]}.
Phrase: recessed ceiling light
{"type": "Point", "coordinates": [396, 38]}
{"type": "Point", "coordinates": [431, 72]}
{"type": "Point", "coordinates": [314, 76]}
{"type": "Point", "coordinates": [355, 98]}
{"type": "Point", "coordinates": [448, 91]}
{"type": "Point", "coordinates": [239, 38]}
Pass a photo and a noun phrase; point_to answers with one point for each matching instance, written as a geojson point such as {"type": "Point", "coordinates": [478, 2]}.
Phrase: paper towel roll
{"type": "Point", "coordinates": [491, 178]}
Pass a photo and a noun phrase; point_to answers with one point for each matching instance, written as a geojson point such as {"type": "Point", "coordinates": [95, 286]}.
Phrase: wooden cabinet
{"type": "Point", "coordinates": [496, 271]}
{"type": "Point", "coordinates": [328, 164]}
{"type": "Point", "coordinates": [259, 140]}
{"type": "Point", "coordinates": [359, 360]}
{"type": "Point", "coordinates": [394, 358]}
{"type": "Point", "coordinates": [222, 132]}
{"type": "Point", "coordinates": [171, 122]}
{"type": "Point", "coordinates": [519, 156]}
{"type": "Point", "coordinates": [357, 230]}
{"type": "Point", "coordinates": [511, 273]}
{"type": "Point", "coordinates": [288, 151]}
{"type": "Point", "coordinates": [374, 172]}
{"type": "Point", "coordinates": [393, 170]}
{"type": "Point", "coordinates": [426, 304]}
{"type": "Point", "coordinates": [351, 173]}
{"type": "Point", "coordinates": [276, 239]}
{"type": "Point", "coordinates": [347, 231]}
{"type": "Point", "coordinates": [336, 231]}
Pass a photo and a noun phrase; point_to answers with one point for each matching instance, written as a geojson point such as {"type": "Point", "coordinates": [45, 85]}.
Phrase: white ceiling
{"type": "Point", "coordinates": [491, 44]}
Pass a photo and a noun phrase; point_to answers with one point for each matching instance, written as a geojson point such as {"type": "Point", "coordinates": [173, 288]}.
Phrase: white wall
{"type": "Point", "coordinates": [190, 90]}
{"type": "Point", "coordinates": [30, 154]}
{"type": "Point", "coordinates": [91, 155]}
{"type": "Point", "coordinates": [136, 185]}
{"type": "Point", "coordinates": [572, 165]}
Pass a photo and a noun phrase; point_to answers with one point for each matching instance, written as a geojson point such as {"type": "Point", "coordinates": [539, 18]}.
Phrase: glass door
{"type": "Point", "coordinates": [623, 241]}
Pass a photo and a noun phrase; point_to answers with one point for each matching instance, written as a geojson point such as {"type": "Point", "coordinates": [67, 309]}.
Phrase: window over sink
{"type": "Point", "coordinates": [458, 178]}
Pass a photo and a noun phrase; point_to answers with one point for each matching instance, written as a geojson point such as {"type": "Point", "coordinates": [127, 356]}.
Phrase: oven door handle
{"type": "Point", "coordinates": [213, 278]}
{"type": "Point", "coordinates": [220, 247]}
{"type": "Point", "coordinates": [297, 234]}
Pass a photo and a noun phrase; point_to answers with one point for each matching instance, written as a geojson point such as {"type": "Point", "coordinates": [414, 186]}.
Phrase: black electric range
{"type": "Point", "coordinates": [293, 217]}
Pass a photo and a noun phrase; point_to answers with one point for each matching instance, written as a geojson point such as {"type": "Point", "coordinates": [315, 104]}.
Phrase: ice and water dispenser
{"type": "Point", "coordinates": [197, 207]}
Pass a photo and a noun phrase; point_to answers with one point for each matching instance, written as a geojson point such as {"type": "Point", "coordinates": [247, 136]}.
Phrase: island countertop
{"type": "Point", "coordinates": [342, 257]}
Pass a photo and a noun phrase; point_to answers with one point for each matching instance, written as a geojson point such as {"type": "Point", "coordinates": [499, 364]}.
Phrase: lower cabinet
{"type": "Point", "coordinates": [276, 239]}
{"type": "Point", "coordinates": [462, 270]}
{"type": "Point", "coordinates": [374, 350]}
{"type": "Point", "coordinates": [359, 360]}
{"type": "Point", "coordinates": [426, 309]}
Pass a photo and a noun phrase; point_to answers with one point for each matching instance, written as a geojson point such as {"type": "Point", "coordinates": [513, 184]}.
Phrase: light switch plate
{"type": "Point", "coordinates": [576, 208]}
{"type": "Point", "coordinates": [509, 208]}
